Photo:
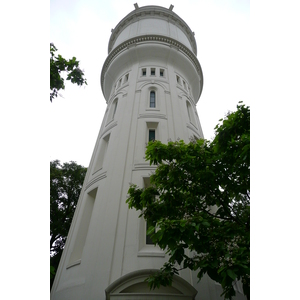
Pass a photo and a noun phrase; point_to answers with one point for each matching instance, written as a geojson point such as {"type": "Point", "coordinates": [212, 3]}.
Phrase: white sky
{"type": "Point", "coordinates": [82, 28]}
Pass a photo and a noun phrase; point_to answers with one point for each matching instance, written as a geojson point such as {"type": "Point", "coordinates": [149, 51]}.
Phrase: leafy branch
{"type": "Point", "coordinates": [58, 64]}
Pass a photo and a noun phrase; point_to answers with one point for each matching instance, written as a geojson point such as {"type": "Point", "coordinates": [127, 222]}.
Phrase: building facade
{"type": "Point", "coordinates": [151, 81]}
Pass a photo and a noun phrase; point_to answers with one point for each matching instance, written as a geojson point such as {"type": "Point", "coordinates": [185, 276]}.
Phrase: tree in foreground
{"type": "Point", "coordinates": [58, 64]}
{"type": "Point", "coordinates": [199, 204]}
{"type": "Point", "coordinates": [65, 186]}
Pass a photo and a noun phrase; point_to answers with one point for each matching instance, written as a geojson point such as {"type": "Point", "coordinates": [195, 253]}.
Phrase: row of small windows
{"type": "Point", "coordinates": [181, 82]}
{"type": "Point", "coordinates": [121, 81]}
{"type": "Point", "coordinates": [153, 72]}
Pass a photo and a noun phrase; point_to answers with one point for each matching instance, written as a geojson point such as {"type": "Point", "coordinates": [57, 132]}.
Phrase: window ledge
{"type": "Point", "coordinates": [75, 263]}
{"type": "Point", "coordinates": [151, 250]}
{"type": "Point", "coordinates": [152, 109]}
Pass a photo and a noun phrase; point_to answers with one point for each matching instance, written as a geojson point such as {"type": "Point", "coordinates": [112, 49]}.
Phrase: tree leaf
{"type": "Point", "coordinates": [231, 274]}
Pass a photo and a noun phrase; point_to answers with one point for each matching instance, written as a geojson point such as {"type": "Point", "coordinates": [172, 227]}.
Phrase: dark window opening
{"type": "Point", "coordinates": [151, 135]}
{"type": "Point", "coordinates": [152, 99]}
{"type": "Point", "coordinates": [148, 237]}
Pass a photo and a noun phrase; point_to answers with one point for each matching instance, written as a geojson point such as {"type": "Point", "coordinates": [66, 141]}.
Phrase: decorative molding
{"type": "Point", "coordinates": [184, 94]}
{"type": "Point", "coordinates": [75, 263]}
{"type": "Point", "coordinates": [153, 116]}
{"type": "Point", "coordinates": [149, 250]}
{"type": "Point", "coordinates": [143, 166]}
{"type": "Point", "coordinates": [193, 128]}
{"type": "Point", "coordinates": [159, 39]}
{"type": "Point", "coordinates": [116, 94]}
{"type": "Point", "coordinates": [152, 12]}
{"type": "Point", "coordinates": [145, 82]}
{"type": "Point", "coordinates": [180, 288]}
{"type": "Point", "coordinates": [111, 125]}
{"type": "Point", "coordinates": [95, 179]}
{"type": "Point", "coordinates": [152, 109]}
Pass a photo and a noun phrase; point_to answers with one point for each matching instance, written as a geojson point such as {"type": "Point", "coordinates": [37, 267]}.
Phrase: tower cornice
{"type": "Point", "coordinates": [153, 12]}
{"type": "Point", "coordinates": [158, 39]}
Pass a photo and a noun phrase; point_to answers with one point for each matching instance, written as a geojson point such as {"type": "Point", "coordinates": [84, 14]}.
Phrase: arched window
{"type": "Point", "coordinates": [115, 108]}
{"type": "Point", "coordinates": [152, 99]}
{"type": "Point", "coordinates": [112, 111]}
{"type": "Point", "coordinates": [190, 112]}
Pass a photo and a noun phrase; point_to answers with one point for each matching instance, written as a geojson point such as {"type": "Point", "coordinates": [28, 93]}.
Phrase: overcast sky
{"type": "Point", "coordinates": [82, 28]}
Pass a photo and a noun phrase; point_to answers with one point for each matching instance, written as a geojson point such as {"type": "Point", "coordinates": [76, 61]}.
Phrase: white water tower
{"type": "Point", "coordinates": [151, 81]}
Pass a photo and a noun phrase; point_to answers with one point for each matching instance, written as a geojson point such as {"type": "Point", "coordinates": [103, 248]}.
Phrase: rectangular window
{"type": "Point", "coordinates": [112, 111]}
{"type": "Point", "coordinates": [152, 71]}
{"type": "Point", "coordinates": [146, 245]}
{"type": "Point", "coordinates": [178, 79]}
{"type": "Point", "coordinates": [152, 132]}
{"type": "Point", "coordinates": [148, 237]}
{"type": "Point", "coordinates": [102, 152]}
{"type": "Point", "coordinates": [88, 204]}
{"type": "Point", "coordinates": [161, 72]}
{"type": "Point", "coordinates": [143, 72]}
{"type": "Point", "coordinates": [151, 135]}
{"type": "Point", "coordinates": [115, 108]}
{"type": "Point", "coordinates": [190, 112]}
{"type": "Point", "coordinates": [152, 99]}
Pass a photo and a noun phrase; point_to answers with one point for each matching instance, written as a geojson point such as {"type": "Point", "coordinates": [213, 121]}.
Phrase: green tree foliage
{"type": "Point", "coordinates": [65, 186]}
{"type": "Point", "coordinates": [58, 65]}
{"type": "Point", "coordinates": [199, 203]}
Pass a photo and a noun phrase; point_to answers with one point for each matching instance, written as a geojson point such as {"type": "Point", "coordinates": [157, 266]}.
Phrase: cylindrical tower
{"type": "Point", "coordinates": [151, 81]}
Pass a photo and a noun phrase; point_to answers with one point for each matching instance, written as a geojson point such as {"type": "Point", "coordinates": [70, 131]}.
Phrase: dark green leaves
{"type": "Point", "coordinates": [231, 274]}
{"type": "Point", "coordinates": [199, 200]}
{"type": "Point", "coordinates": [58, 65]}
{"type": "Point", "coordinates": [65, 186]}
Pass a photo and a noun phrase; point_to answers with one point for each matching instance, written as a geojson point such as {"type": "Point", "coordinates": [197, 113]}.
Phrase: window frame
{"type": "Point", "coordinates": [153, 131]}
{"type": "Point", "coordinates": [148, 237]}
{"type": "Point", "coordinates": [112, 110]}
{"type": "Point", "coordinates": [115, 105]}
{"type": "Point", "coordinates": [146, 249]}
{"type": "Point", "coordinates": [191, 113]}
{"type": "Point", "coordinates": [152, 101]}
